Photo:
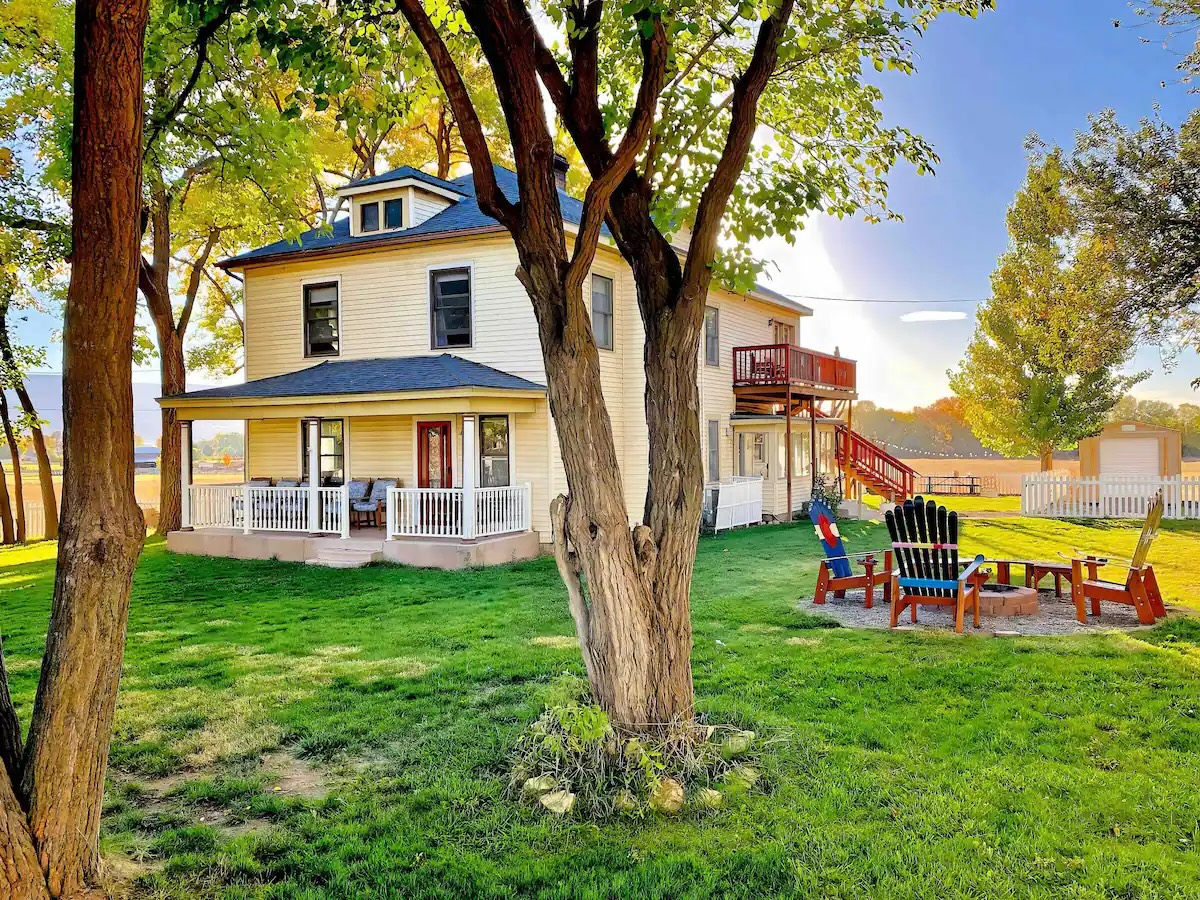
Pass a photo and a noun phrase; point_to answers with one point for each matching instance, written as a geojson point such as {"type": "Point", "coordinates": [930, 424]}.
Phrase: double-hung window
{"type": "Point", "coordinates": [494, 467]}
{"type": "Point", "coordinates": [712, 337]}
{"type": "Point", "coordinates": [602, 311]}
{"type": "Point", "coordinates": [321, 319]}
{"type": "Point", "coordinates": [368, 217]}
{"type": "Point", "coordinates": [331, 452]}
{"type": "Point", "coordinates": [714, 450]}
{"type": "Point", "coordinates": [450, 308]}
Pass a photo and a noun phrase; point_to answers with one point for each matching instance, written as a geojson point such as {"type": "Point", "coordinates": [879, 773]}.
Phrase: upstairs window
{"type": "Point", "coordinates": [450, 308]}
{"type": "Point", "coordinates": [393, 213]}
{"type": "Point", "coordinates": [493, 452]}
{"type": "Point", "coordinates": [602, 311]}
{"type": "Point", "coordinates": [368, 217]}
{"type": "Point", "coordinates": [321, 319]}
{"type": "Point", "coordinates": [712, 337]}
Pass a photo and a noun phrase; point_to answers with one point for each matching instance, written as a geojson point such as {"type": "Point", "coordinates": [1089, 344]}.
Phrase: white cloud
{"type": "Point", "coordinates": [933, 315]}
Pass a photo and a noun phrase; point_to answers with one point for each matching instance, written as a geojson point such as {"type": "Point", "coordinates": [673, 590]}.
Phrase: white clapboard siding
{"type": "Point", "coordinates": [1052, 495]}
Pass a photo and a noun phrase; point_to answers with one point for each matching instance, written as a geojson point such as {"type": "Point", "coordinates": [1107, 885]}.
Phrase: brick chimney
{"type": "Point", "coordinates": [561, 168]}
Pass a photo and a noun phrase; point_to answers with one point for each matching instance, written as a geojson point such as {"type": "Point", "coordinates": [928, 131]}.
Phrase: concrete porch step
{"type": "Point", "coordinates": [344, 558]}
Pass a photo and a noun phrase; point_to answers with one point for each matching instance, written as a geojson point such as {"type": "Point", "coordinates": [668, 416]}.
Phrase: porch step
{"type": "Point", "coordinates": [344, 558]}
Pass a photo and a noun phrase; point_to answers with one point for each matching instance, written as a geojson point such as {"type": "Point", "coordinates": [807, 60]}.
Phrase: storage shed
{"type": "Point", "coordinates": [1132, 448]}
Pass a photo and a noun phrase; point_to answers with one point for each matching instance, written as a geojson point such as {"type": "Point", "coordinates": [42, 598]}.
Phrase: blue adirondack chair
{"type": "Point", "coordinates": [925, 545]}
{"type": "Point", "coordinates": [837, 568]}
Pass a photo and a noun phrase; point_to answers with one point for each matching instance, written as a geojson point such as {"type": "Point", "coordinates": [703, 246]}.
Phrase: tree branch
{"type": "Point", "coordinates": [747, 91]}
{"type": "Point", "coordinates": [193, 287]}
{"type": "Point", "coordinates": [487, 192]}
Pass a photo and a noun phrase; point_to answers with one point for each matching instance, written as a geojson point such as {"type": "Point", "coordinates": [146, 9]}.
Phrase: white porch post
{"type": "Point", "coordinates": [185, 474]}
{"type": "Point", "coordinates": [314, 475]}
{"type": "Point", "coordinates": [469, 456]}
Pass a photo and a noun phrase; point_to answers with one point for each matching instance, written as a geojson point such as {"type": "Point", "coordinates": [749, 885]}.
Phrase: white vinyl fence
{"type": "Point", "coordinates": [734, 504]}
{"type": "Point", "coordinates": [1112, 497]}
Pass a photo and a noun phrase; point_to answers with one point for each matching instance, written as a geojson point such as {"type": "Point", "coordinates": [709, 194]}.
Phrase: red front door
{"type": "Point", "coordinates": [433, 455]}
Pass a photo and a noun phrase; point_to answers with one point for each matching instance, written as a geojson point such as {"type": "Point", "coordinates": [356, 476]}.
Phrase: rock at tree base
{"type": "Point", "coordinates": [539, 785]}
{"type": "Point", "coordinates": [558, 802]}
{"type": "Point", "coordinates": [667, 797]}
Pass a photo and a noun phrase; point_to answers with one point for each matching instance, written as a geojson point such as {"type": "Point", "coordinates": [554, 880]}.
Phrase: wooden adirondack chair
{"type": "Point", "coordinates": [837, 569]}
{"type": "Point", "coordinates": [925, 547]}
{"type": "Point", "coordinates": [1140, 589]}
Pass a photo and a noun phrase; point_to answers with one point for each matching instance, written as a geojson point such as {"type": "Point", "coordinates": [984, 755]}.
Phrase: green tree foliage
{"type": "Point", "coordinates": [1043, 369]}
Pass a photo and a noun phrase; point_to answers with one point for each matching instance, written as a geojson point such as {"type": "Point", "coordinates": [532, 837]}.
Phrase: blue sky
{"type": "Point", "coordinates": [981, 87]}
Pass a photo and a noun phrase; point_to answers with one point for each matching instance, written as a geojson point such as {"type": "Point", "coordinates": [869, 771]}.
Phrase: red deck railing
{"type": "Point", "coordinates": [869, 459]}
{"type": "Point", "coordinates": [778, 365]}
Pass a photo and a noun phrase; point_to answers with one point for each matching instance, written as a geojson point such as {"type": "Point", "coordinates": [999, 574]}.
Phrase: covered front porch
{"type": "Point", "coordinates": [443, 477]}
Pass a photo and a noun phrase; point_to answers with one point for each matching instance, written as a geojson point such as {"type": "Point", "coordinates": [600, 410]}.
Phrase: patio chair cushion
{"type": "Point", "coordinates": [357, 489]}
{"type": "Point", "coordinates": [365, 505]}
{"type": "Point", "coordinates": [287, 482]}
{"type": "Point", "coordinates": [259, 482]}
{"type": "Point", "coordinates": [380, 488]}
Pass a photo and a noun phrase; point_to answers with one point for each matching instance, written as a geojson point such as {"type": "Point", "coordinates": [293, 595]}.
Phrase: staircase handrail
{"type": "Point", "coordinates": [875, 459]}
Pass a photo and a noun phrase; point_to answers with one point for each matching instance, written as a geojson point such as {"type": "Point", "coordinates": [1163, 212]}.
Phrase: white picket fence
{"type": "Point", "coordinates": [455, 513]}
{"type": "Point", "coordinates": [734, 504]}
{"type": "Point", "coordinates": [35, 517]}
{"type": "Point", "coordinates": [1049, 495]}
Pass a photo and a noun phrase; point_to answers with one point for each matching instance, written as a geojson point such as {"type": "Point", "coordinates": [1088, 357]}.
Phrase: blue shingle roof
{"type": "Point", "coordinates": [406, 172]}
{"type": "Point", "coordinates": [384, 375]}
{"type": "Point", "coordinates": [463, 216]}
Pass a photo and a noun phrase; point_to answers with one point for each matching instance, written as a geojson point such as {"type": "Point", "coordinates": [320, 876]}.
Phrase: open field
{"type": "Point", "coordinates": [285, 731]}
{"type": "Point", "coordinates": [937, 466]}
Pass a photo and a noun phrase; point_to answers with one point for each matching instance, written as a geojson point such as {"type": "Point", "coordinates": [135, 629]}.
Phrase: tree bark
{"type": "Point", "coordinates": [18, 499]}
{"type": "Point", "coordinates": [1046, 459]}
{"type": "Point", "coordinates": [45, 474]}
{"type": "Point", "coordinates": [102, 528]}
{"type": "Point", "coordinates": [7, 535]}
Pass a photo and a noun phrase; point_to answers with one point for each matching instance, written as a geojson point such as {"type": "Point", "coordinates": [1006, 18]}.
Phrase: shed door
{"type": "Point", "coordinates": [1130, 456]}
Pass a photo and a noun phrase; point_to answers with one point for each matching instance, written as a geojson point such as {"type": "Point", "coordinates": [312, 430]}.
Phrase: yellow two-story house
{"type": "Point", "coordinates": [394, 403]}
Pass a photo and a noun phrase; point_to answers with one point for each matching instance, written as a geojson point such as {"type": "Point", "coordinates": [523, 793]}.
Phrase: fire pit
{"type": "Point", "coordinates": [1007, 600]}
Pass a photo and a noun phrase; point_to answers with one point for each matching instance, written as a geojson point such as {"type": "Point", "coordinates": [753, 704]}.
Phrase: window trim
{"type": "Point", "coordinates": [432, 270]}
{"type": "Point", "coordinates": [362, 207]}
{"type": "Point", "coordinates": [479, 447]}
{"type": "Point", "coordinates": [305, 284]}
{"type": "Point", "coordinates": [715, 362]}
{"type": "Point", "coordinates": [612, 310]}
{"type": "Point", "coordinates": [384, 226]}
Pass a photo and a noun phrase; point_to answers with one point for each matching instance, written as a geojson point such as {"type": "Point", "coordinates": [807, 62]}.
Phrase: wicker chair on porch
{"type": "Point", "coordinates": [366, 512]}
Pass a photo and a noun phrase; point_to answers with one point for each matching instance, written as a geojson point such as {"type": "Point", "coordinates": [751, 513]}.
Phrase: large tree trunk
{"type": "Point", "coordinates": [1046, 459]}
{"type": "Point", "coordinates": [7, 534]}
{"type": "Point", "coordinates": [102, 529]}
{"type": "Point", "coordinates": [45, 474]}
{"type": "Point", "coordinates": [18, 486]}
{"type": "Point", "coordinates": [173, 371]}
{"type": "Point", "coordinates": [155, 283]}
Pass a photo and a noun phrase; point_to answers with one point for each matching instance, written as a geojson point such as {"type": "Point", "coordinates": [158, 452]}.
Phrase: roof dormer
{"type": "Point", "coordinates": [396, 200]}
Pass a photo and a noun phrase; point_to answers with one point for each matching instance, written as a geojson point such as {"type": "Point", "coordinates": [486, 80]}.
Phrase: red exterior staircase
{"type": "Point", "coordinates": [872, 467]}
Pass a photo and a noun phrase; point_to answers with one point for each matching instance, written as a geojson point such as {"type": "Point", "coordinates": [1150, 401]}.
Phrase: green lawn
{"type": "Point", "coordinates": [907, 764]}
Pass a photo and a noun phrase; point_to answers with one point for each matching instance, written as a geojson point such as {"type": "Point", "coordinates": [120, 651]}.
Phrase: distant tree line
{"type": "Point", "coordinates": [941, 429]}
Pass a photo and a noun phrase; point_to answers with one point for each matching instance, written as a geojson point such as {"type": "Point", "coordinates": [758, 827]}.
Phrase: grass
{"type": "Point", "coordinates": [911, 765]}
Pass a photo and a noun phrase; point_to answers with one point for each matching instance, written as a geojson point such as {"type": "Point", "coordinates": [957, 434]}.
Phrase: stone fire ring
{"type": "Point", "coordinates": [1007, 600]}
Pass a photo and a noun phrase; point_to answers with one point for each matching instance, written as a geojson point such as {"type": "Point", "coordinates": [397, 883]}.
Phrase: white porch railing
{"type": "Point", "coordinates": [275, 508]}
{"type": "Point", "coordinates": [216, 506]}
{"type": "Point", "coordinates": [335, 509]}
{"type": "Point", "coordinates": [446, 512]}
{"type": "Point", "coordinates": [1110, 497]}
{"type": "Point", "coordinates": [734, 504]}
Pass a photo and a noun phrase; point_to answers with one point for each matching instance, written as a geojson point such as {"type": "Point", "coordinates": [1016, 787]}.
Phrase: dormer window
{"type": "Point", "coordinates": [368, 217]}
{"type": "Point", "coordinates": [393, 213]}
